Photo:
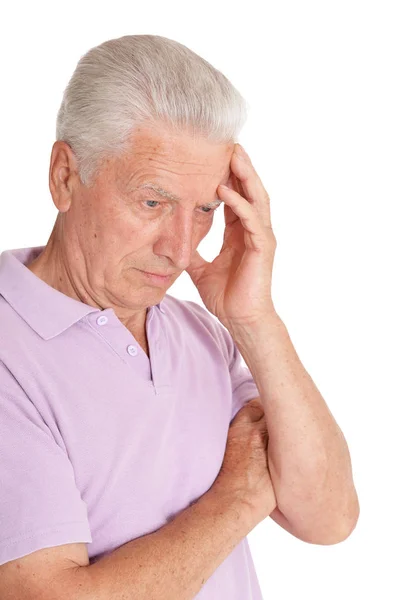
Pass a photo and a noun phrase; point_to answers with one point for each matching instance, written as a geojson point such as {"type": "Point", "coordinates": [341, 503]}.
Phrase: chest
{"type": "Point", "coordinates": [142, 341]}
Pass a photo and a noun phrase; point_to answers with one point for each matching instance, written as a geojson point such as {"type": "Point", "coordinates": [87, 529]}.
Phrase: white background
{"type": "Point", "coordinates": [321, 79]}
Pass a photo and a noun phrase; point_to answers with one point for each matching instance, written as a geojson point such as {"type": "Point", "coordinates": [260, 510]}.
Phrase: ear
{"type": "Point", "coordinates": [63, 175]}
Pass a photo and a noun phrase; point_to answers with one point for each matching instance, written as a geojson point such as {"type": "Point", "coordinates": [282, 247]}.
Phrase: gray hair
{"type": "Point", "coordinates": [143, 79]}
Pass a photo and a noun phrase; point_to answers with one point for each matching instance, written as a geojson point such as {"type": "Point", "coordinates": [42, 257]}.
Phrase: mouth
{"type": "Point", "coordinates": [157, 278]}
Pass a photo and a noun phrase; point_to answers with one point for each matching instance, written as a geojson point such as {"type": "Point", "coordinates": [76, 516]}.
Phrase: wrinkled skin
{"type": "Point", "coordinates": [105, 234]}
{"type": "Point", "coordinates": [244, 473]}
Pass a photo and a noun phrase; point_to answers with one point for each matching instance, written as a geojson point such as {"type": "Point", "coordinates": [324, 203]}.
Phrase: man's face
{"type": "Point", "coordinates": [125, 228]}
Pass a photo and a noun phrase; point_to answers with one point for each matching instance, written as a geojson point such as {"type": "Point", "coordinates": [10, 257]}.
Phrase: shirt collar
{"type": "Point", "coordinates": [48, 311]}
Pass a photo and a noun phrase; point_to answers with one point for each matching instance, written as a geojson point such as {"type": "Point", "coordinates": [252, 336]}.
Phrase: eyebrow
{"type": "Point", "coordinates": [160, 191]}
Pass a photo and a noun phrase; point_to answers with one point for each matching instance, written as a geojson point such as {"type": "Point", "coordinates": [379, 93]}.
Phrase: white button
{"type": "Point", "coordinates": [102, 320]}
{"type": "Point", "coordinates": [132, 350]}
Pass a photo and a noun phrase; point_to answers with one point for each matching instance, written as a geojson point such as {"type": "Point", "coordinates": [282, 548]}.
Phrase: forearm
{"type": "Point", "coordinates": [173, 562]}
{"type": "Point", "coordinates": [308, 455]}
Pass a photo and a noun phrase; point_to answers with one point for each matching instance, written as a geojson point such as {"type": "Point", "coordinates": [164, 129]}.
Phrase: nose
{"type": "Point", "coordinates": [177, 239]}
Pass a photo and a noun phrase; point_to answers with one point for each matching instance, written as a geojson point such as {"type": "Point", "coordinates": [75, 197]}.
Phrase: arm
{"type": "Point", "coordinates": [173, 562]}
{"type": "Point", "coordinates": [308, 456]}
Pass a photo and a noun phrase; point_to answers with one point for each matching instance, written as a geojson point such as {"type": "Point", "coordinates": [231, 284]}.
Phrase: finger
{"type": "Point", "coordinates": [254, 190]}
{"type": "Point", "coordinates": [246, 213]}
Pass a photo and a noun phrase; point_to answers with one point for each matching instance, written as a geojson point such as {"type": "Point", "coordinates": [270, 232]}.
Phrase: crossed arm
{"type": "Point", "coordinates": [308, 456]}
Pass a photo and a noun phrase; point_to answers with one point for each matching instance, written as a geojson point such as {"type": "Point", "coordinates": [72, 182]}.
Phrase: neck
{"type": "Point", "coordinates": [53, 267]}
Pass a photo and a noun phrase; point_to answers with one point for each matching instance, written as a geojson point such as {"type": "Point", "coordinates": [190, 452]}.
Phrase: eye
{"type": "Point", "coordinates": [208, 210]}
{"type": "Point", "coordinates": [151, 201]}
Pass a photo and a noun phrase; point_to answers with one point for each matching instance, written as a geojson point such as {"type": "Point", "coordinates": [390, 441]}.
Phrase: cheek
{"type": "Point", "coordinates": [120, 223]}
{"type": "Point", "coordinates": [199, 233]}
{"type": "Point", "coordinates": [205, 229]}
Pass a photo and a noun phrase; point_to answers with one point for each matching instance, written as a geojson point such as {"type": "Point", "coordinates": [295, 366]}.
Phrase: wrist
{"type": "Point", "coordinates": [219, 500]}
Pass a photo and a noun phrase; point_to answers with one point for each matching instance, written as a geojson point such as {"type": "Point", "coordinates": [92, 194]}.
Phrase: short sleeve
{"type": "Point", "coordinates": [40, 505]}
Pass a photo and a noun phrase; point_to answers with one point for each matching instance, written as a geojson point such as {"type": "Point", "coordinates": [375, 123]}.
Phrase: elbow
{"type": "Point", "coordinates": [336, 536]}
{"type": "Point", "coordinates": [341, 530]}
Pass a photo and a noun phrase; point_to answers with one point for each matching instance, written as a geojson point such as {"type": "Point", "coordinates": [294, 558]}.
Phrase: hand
{"type": "Point", "coordinates": [236, 285]}
{"type": "Point", "coordinates": [244, 474]}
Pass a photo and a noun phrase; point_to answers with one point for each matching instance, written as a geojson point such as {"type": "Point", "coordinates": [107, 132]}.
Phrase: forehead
{"type": "Point", "coordinates": [179, 157]}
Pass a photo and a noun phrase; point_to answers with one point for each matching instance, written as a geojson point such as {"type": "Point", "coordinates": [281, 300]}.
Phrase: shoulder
{"type": "Point", "coordinates": [15, 334]}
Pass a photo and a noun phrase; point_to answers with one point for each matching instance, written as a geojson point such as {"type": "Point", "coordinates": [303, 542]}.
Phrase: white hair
{"type": "Point", "coordinates": [143, 79]}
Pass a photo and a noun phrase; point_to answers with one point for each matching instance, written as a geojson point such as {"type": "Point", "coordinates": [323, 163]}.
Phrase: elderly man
{"type": "Point", "coordinates": [132, 460]}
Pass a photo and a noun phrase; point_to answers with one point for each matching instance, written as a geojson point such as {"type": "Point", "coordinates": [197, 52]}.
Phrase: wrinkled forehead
{"type": "Point", "coordinates": [150, 152]}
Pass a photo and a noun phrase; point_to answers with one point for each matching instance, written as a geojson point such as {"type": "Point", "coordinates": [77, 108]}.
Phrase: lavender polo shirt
{"type": "Point", "coordinates": [99, 443]}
